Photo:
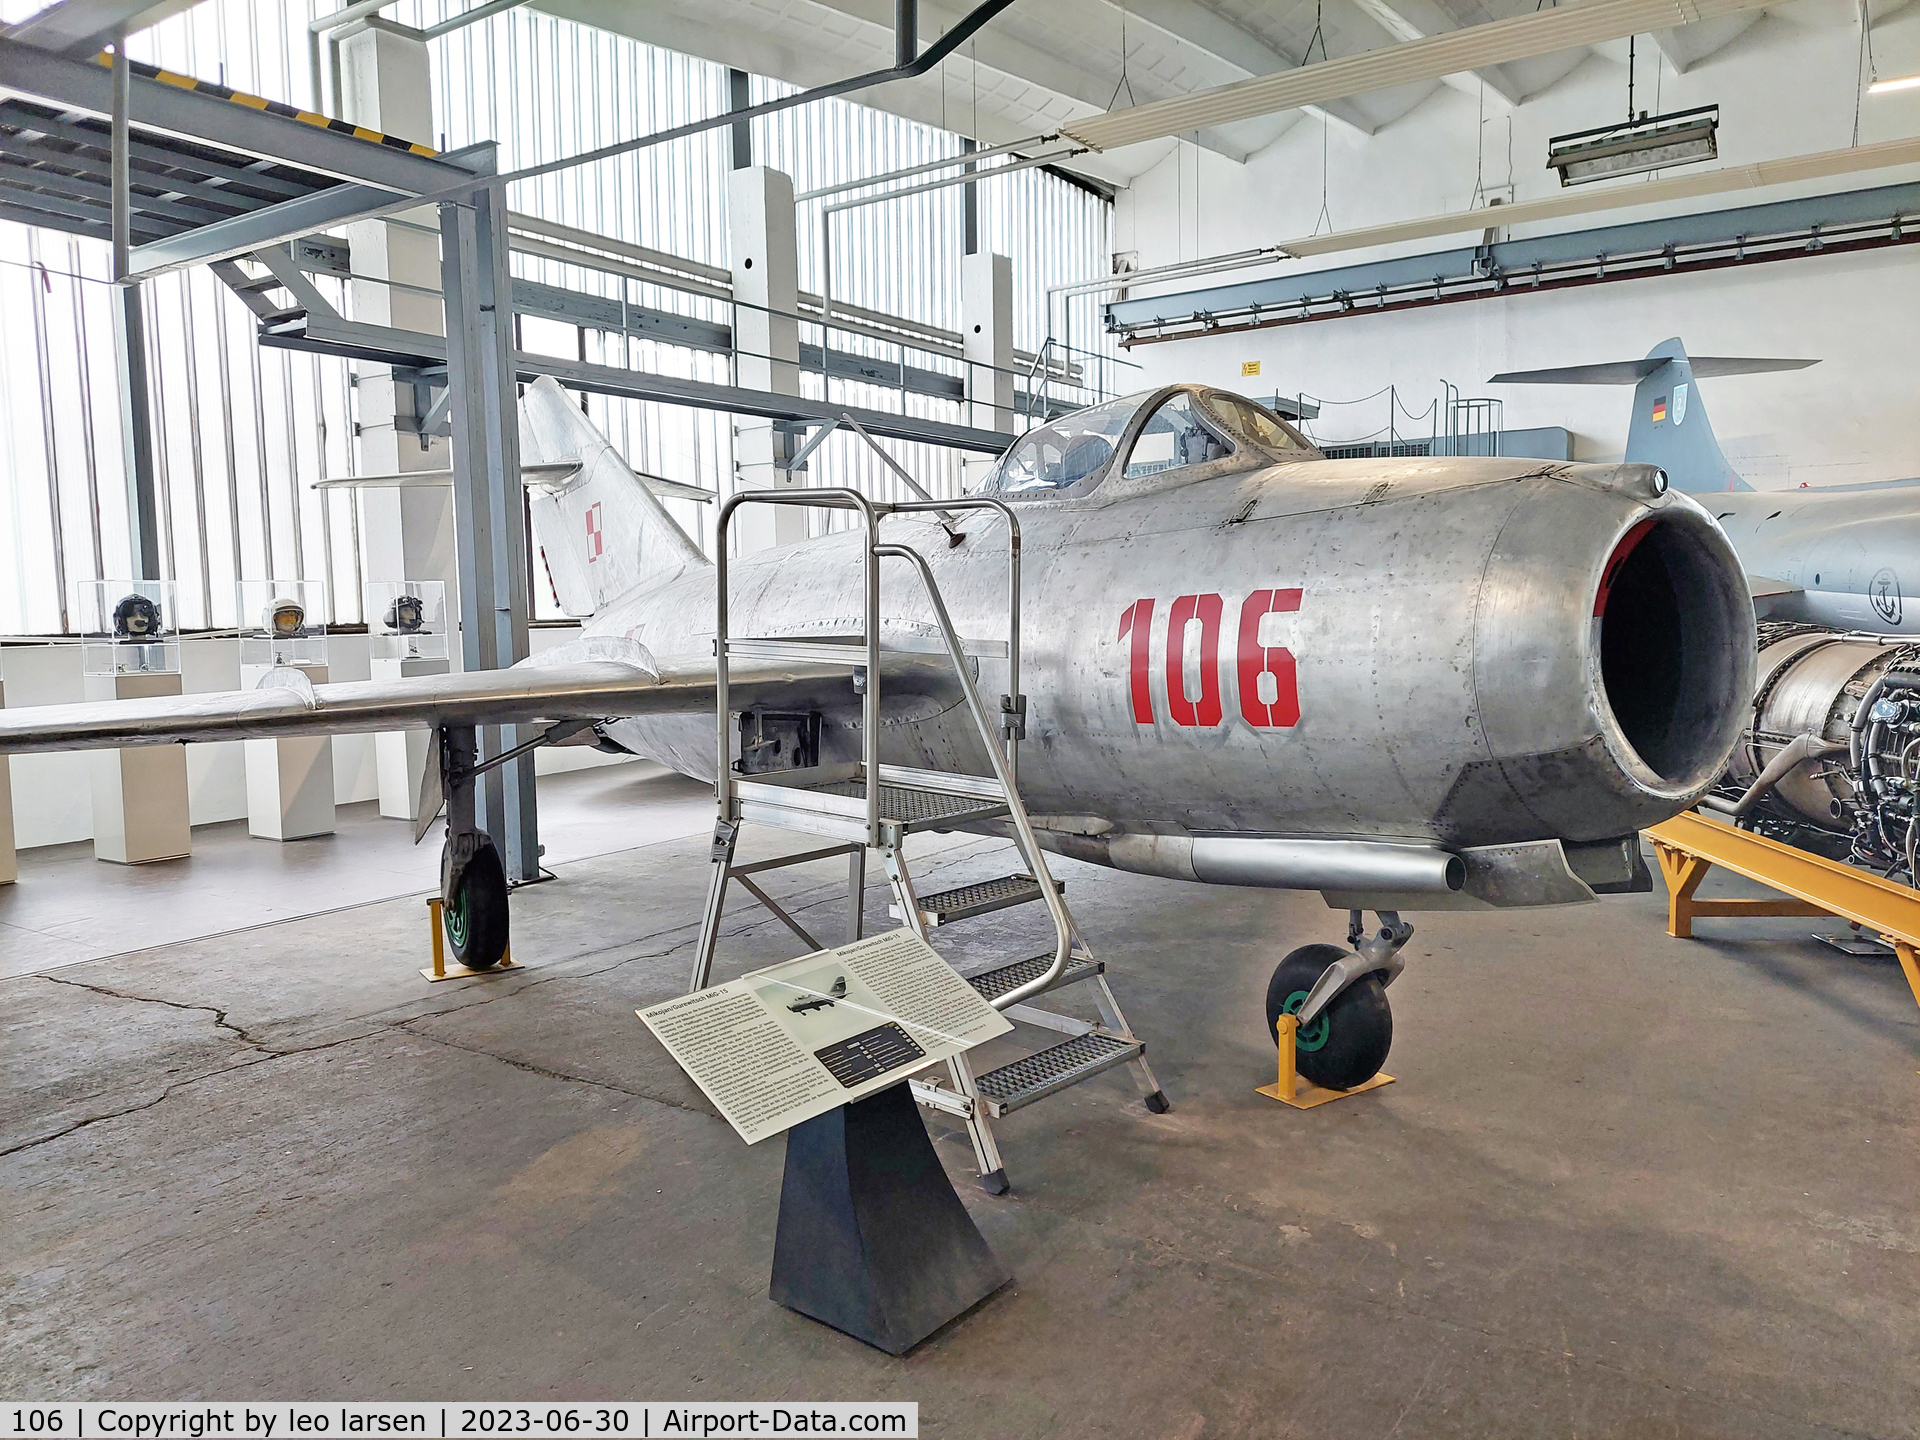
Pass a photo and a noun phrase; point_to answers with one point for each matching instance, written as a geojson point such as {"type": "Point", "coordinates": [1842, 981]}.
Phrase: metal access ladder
{"type": "Point", "coordinates": [868, 805]}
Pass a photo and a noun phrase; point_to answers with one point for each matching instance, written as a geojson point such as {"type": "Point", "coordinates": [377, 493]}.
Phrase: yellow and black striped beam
{"type": "Point", "coordinates": [272, 107]}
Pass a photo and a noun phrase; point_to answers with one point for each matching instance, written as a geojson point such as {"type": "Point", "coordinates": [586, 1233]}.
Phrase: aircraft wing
{"type": "Point", "coordinates": [612, 686]}
{"type": "Point", "coordinates": [1768, 593]}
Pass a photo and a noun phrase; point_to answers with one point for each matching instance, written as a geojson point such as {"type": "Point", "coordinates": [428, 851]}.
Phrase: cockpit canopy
{"type": "Point", "coordinates": [1142, 435]}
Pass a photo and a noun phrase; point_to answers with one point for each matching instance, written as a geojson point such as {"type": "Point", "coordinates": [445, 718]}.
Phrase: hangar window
{"type": "Point", "coordinates": [1074, 448]}
{"type": "Point", "coordinates": [1175, 436]}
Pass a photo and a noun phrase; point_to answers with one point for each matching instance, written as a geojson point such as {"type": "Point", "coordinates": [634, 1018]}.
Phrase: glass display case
{"type": "Point", "coordinates": [128, 627]}
{"type": "Point", "coordinates": [282, 622]}
{"type": "Point", "coordinates": [407, 619]}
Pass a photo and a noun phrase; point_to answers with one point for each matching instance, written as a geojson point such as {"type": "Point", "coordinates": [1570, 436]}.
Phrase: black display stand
{"type": "Point", "coordinates": [872, 1239]}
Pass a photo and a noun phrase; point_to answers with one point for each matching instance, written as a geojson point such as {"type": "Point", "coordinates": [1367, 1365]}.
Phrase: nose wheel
{"type": "Point", "coordinates": [1346, 1025]}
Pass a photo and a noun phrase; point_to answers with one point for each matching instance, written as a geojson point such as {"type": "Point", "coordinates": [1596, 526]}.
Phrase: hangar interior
{"type": "Point", "coordinates": [382, 384]}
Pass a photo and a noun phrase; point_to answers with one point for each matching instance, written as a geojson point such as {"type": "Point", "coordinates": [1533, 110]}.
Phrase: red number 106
{"type": "Point", "coordinates": [1269, 689]}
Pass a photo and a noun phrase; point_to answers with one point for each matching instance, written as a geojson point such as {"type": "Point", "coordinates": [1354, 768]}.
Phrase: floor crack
{"type": "Point", "coordinates": [261, 1055]}
{"type": "Point", "coordinates": [219, 1015]}
{"type": "Point", "coordinates": [265, 1052]}
{"type": "Point", "coordinates": [546, 1073]}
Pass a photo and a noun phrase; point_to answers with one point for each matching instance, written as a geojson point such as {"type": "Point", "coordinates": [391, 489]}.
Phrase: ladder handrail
{"type": "Point", "coordinates": [988, 502]}
{"type": "Point", "coordinates": [997, 757]}
{"type": "Point", "coordinates": [836, 498]}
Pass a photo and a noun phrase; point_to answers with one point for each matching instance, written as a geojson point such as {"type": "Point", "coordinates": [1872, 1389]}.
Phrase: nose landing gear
{"type": "Point", "coordinates": [1346, 1025]}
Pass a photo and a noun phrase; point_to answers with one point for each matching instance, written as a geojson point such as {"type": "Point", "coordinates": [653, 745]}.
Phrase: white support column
{"type": "Point", "coordinates": [140, 794]}
{"type": "Point", "coordinates": [289, 782]}
{"type": "Point", "coordinates": [9, 865]}
{"type": "Point", "coordinates": [408, 532]}
{"type": "Point", "coordinates": [986, 326]}
{"type": "Point", "coordinates": [766, 343]}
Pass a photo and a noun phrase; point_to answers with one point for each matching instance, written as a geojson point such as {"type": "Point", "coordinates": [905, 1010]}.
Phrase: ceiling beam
{"type": "Point", "coordinates": [1233, 46]}
{"type": "Point", "coordinates": [1416, 20]}
{"type": "Point", "coordinates": [1542, 32]}
{"type": "Point", "coordinates": [1000, 48]}
{"type": "Point", "coordinates": [813, 42]}
{"type": "Point", "coordinates": [84, 27]}
{"type": "Point", "coordinates": [1686, 46]}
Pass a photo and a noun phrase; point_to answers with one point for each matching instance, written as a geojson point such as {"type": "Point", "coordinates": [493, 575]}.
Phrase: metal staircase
{"type": "Point", "coordinates": [868, 805]}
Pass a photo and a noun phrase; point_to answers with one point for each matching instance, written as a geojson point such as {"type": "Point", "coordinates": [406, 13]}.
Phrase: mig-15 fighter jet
{"type": "Point", "coordinates": [1409, 684]}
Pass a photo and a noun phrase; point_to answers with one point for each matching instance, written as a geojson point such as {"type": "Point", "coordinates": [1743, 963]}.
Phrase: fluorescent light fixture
{"type": "Point", "coordinates": [1682, 138]}
{"type": "Point", "coordinates": [1884, 87]}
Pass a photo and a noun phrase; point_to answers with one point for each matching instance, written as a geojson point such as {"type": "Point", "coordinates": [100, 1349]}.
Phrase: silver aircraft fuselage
{"type": "Point", "coordinates": [1436, 624]}
{"type": "Point", "coordinates": [1853, 555]}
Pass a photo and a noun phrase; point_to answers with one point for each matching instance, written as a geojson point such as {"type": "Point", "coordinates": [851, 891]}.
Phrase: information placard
{"type": "Point", "coordinates": [794, 1040]}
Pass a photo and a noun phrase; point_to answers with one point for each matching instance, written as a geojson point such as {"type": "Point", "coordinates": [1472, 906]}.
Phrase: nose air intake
{"type": "Point", "coordinates": [1672, 637]}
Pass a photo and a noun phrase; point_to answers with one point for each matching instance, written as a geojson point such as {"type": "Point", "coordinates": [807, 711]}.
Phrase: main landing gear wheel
{"type": "Point", "coordinates": [1347, 1042]}
{"type": "Point", "coordinates": [473, 907]}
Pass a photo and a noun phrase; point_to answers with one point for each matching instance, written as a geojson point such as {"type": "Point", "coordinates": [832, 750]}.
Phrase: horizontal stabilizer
{"type": "Point", "coordinates": [1769, 594]}
{"type": "Point", "coordinates": [539, 477]}
{"type": "Point", "coordinates": [1632, 372]}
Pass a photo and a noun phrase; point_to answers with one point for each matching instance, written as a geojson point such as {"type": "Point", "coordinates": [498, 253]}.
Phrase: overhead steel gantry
{"type": "Point", "coordinates": [197, 174]}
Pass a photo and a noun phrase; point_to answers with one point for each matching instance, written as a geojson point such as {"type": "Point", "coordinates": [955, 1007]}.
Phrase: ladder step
{"type": "Point", "coordinates": [915, 808]}
{"type": "Point", "coordinates": [1034, 1077]}
{"type": "Point", "coordinates": [965, 901]}
{"type": "Point", "coordinates": [992, 984]}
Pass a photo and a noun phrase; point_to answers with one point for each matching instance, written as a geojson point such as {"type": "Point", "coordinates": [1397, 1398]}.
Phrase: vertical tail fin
{"type": "Point", "coordinates": [601, 531]}
{"type": "Point", "coordinates": [1670, 427]}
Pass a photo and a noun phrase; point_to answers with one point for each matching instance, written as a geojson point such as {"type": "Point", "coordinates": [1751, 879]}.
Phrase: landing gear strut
{"type": "Point", "coordinates": [1346, 1026]}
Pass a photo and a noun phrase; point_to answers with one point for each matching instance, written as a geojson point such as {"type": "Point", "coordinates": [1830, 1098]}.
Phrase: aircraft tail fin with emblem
{"type": "Point", "coordinates": [1669, 426]}
{"type": "Point", "coordinates": [600, 530]}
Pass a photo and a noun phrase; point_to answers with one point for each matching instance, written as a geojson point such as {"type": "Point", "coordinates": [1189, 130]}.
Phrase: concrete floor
{"type": "Point", "coordinates": [1625, 1186]}
{"type": "Point", "coordinates": [67, 906]}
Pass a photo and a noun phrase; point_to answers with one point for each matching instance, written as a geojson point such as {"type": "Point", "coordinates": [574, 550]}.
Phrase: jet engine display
{"type": "Point", "coordinates": [1831, 759]}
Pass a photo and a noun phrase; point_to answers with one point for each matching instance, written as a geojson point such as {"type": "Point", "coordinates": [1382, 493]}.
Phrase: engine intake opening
{"type": "Point", "coordinates": [1672, 639]}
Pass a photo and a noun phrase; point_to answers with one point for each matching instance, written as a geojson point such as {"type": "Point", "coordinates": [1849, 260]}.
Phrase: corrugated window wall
{"type": "Point", "coordinates": [242, 432]}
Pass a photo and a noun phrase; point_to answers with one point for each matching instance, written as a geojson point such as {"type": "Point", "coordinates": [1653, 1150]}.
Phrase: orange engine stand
{"type": "Point", "coordinates": [1691, 844]}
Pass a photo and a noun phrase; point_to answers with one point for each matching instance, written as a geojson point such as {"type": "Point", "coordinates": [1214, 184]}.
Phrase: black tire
{"type": "Point", "coordinates": [473, 904]}
{"type": "Point", "coordinates": [1348, 1043]}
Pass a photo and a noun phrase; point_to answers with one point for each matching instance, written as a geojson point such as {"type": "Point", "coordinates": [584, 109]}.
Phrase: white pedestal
{"type": "Point", "coordinates": [9, 868]}
{"type": "Point", "coordinates": [140, 794]}
{"type": "Point", "coordinates": [401, 756]}
{"type": "Point", "coordinates": [289, 782]}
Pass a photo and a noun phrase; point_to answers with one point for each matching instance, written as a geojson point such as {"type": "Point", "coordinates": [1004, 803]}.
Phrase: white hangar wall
{"type": "Point", "coordinates": [1785, 87]}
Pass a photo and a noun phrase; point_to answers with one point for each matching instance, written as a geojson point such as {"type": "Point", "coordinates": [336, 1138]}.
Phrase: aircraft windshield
{"type": "Point", "coordinates": [1252, 420]}
{"type": "Point", "coordinates": [1174, 437]}
{"type": "Point", "coordinates": [1053, 457]}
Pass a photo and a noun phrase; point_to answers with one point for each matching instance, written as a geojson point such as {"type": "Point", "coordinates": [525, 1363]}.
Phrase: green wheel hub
{"type": "Point", "coordinates": [456, 913]}
{"type": "Point", "coordinates": [1309, 1037]}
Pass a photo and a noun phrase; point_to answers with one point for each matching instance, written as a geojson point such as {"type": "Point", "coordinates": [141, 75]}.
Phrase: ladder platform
{"type": "Point", "coordinates": [832, 800]}
{"type": "Point", "coordinates": [992, 984]}
{"type": "Point", "coordinates": [1036, 1076]}
{"type": "Point", "coordinates": [963, 902]}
